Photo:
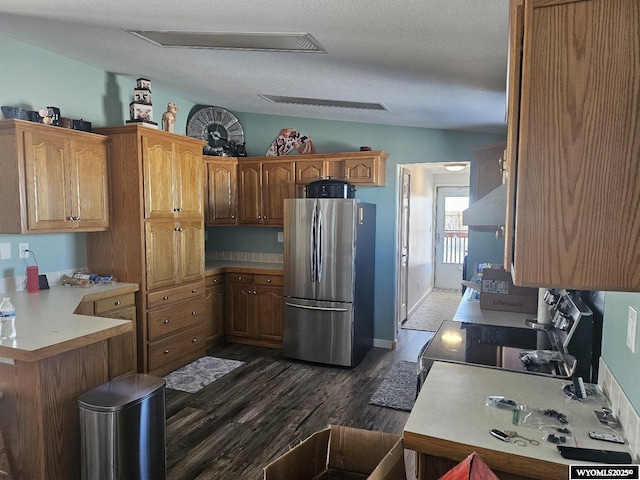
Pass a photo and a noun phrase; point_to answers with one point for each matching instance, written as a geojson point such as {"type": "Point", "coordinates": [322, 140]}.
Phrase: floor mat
{"type": "Point", "coordinates": [197, 375]}
{"type": "Point", "coordinates": [398, 389]}
{"type": "Point", "coordinates": [440, 305]}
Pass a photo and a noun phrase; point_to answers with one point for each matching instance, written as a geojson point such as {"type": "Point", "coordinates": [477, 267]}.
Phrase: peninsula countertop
{"type": "Point", "coordinates": [470, 311]}
{"type": "Point", "coordinates": [450, 420]}
{"type": "Point", "coordinates": [46, 324]}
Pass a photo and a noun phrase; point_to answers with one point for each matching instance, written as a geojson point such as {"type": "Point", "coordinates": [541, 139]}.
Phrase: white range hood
{"type": "Point", "coordinates": [489, 210]}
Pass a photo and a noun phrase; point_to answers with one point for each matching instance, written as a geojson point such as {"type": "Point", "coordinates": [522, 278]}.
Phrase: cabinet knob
{"type": "Point", "coordinates": [194, 313]}
{"type": "Point", "coordinates": [255, 293]}
{"type": "Point", "coordinates": [194, 290]}
{"type": "Point", "coordinates": [165, 352]}
{"type": "Point", "coordinates": [179, 229]}
{"type": "Point", "coordinates": [165, 298]}
{"type": "Point", "coordinates": [249, 292]}
{"type": "Point", "coordinates": [239, 278]}
{"type": "Point", "coordinates": [268, 280]}
{"type": "Point", "coordinates": [233, 216]}
{"type": "Point", "coordinates": [215, 280]}
{"type": "Point", "coordinates": [117, 302]}
{"type": "Point", "coordinates": [166, 321]}
{"type": "Point", "coordinates": [77, 219]}
{"type": "Point", "coordinates": [259, 217]}
{"type": "Point", "coordinates": [70, 218]}
{"type": "Point", "coordinates": [194, 340]}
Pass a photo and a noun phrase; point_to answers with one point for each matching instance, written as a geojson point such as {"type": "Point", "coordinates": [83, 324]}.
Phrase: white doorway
{"type": "Point", "coordinates": [451, 239]}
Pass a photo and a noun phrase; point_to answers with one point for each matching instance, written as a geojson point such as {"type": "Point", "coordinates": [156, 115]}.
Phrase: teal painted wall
{"type": "Point", "coordinates": [623, 363]}
{"type": "Point", "coordinates": [34, 78]}
{"type": "Point", "coordinates": [38, 78]}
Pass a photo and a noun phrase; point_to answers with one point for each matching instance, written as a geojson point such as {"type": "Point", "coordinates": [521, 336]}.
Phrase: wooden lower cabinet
{"type": "Point", "coordinates": [215, 308]}
{"type": "Point", "coordinates": [255, 309]}
{"type": "Point", "coordinates": [173, 333]}
{"type": "Point", "coordinates": [122, 349]}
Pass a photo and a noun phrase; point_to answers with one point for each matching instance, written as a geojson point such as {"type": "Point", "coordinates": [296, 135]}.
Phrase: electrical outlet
{"type": "Point", "coordinates": [23, 250]}
{"type": "Point", "coordinates": [632, 326]}
{"type": "Point", "coordinates": [5, 251]}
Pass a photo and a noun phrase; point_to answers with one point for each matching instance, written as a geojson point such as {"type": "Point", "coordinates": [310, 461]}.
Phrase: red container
{"type": "Point", "coordinates": [33, 284]}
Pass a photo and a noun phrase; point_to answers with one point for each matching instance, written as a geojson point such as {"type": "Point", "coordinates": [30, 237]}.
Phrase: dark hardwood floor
{"type": "Point", "coordinates": [237, 425]}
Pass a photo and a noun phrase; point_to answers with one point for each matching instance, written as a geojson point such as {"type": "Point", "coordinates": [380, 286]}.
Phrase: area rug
{"type": "Point", "coordinates": [398, 389]}
{"type": "Point", "coordinates": [440, 305]}
{"type": "Point", "coordinates": [197, 375]}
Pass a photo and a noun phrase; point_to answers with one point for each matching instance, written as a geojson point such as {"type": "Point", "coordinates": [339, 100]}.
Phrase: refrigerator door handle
{"type": "Point", "coordinates": [308, 307]}
{"type": "Point", "coordinates": [319, 252]}
{"type": "Point", "coordinates": [312, 246]}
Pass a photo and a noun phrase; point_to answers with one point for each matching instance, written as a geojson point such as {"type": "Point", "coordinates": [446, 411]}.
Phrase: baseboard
{"type": "Point", "coordinates": [390, 344]}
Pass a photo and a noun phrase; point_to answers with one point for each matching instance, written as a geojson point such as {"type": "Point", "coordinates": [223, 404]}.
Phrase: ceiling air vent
{"type": "Point", "coordinates": [318, 102]}
{"type": "Point", "coordinates": [270, 42]}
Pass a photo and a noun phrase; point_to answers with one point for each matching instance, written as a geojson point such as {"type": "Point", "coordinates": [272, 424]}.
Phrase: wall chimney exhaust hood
{"type": "Point", "coordinates": [489, 210]}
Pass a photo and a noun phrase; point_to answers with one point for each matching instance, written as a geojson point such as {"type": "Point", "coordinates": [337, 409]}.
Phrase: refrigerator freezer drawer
{"type": "Point", "coordinates": [318, 331]}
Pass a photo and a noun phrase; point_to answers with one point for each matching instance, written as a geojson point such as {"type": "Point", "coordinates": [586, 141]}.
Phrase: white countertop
{"type": "Point", "coordinates": [46, 324]}
{"type": "Point", "coordinates": [450, 415]}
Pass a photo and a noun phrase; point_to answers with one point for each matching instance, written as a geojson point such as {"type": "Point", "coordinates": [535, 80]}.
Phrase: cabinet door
{"type": "Point", "coordinates": [277, 184]}
{"type": "Point", "coordinates": [579, 144]}
{"type": "Point", "coordinates": [189, 181]}
{"type": "Point", "coordinates": [215, 309]}
{"type": "Point", "coordinates": [309, 171]}
{"type": "Point", "coordinates": [269, 311]}
{"type": "Point", "coordinates": [159, 175]}
{"type": "Point", "coordinates": [364, 171]}
{"type": "Point", "coordinates": [240, 305]}
{"type": "Point", "coordinates": [221, 193]}
{"type": "Point", "coordinates": [161, 254]}
{"type": "Point", "coordinates": [191, 250]}
{"type": "Point", "coordinates": [90, 185]}
{"type": "Point", "coordinates": [122, 348]}
{"type": "Point", "coordinates": [48, 182]}
{"type": "Point", "coordinates": [249, 193]}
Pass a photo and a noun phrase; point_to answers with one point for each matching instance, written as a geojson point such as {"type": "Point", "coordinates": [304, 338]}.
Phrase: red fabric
{"type": "Point", "coordinates": [471, 468]}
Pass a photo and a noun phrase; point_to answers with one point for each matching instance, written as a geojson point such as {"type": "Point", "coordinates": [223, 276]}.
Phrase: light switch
{"type": "Point", "coordinates": [280, 237]}
{"type": "Point", "coordinates": [5, 251]}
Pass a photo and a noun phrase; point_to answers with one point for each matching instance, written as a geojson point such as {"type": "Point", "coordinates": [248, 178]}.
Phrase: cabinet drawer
{"type": "Point", "coordinates": [115, 302]}
{"type": "Point", "coordinates": [277, 280]}
{"type": "Point", "coordinates": [213, 280]}
{"type": "Point", "coordinates": [176, 346]}
{"type": "Point", "coordinates": [174, 295]}
{"type": "Point", "coordinates": [240, 278]}
{"type": "Point", "coordinates": [166, 321]}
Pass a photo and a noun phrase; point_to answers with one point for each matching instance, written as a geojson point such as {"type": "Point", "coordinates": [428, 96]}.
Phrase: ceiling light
{"type": "Point", "coordinates": [318, 102]}
{"type": "Point", "coordinates": [455, 167]}
{"type": "Point", "coordinates": [271, 42]}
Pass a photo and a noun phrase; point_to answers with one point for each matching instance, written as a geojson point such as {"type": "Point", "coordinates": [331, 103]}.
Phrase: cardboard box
{"type": "Point", "coordinates": [499, 293]}
{"type": "Point", "coordinates": [338, 453]}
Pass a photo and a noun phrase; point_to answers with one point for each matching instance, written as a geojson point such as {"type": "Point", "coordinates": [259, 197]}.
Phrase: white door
{"type": "Point", "coordinates": [451, 236]}
{"type": "Point", "coordinates": [404, 245]}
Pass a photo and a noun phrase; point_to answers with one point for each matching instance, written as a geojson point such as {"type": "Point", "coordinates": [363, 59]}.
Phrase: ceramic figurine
{"type": "Point", "coordinates": [169, 117]}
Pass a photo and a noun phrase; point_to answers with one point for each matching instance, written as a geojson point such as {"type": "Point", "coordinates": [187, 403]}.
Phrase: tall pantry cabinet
{"type": "Point", "coordinates": [157, 240]}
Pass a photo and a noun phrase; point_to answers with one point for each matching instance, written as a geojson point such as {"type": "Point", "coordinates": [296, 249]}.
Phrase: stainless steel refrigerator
{"type": "Point", "coordinates": [328, 279]}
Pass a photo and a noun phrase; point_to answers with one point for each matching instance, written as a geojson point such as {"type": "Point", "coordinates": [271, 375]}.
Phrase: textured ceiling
{"type": "Point", "coordinates": [432, 63]}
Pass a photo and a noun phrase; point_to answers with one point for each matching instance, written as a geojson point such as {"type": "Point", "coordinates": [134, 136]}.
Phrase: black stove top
{"type": "Point", "coordinates": [521, 349]}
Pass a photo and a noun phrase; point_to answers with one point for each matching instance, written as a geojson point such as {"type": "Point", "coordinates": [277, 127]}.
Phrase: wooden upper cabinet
{"type": "Point", "coordinates": [368, 168]}
{"type": "Point", "coordinates": [221, 191]}
{"type": "Point", "coordinates": [575, 199]}
{"type": "Point", "coordinates": [262, 188]}
{"type": "Point", "coordinates": [172, 178]}
{"type": "Point", "coordinates": [488, 169]}
{"type": "Point", "coordinates": [55, 179]}
{"type": "Point", "coordinates": [277, 184]}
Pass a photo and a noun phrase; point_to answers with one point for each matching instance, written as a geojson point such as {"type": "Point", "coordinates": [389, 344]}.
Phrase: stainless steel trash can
{"type": "Point", "coordinates": [123, 429]}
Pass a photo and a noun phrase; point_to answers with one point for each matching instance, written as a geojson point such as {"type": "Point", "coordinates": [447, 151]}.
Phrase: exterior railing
{"type": "Point", "coordinates": [455, 246]}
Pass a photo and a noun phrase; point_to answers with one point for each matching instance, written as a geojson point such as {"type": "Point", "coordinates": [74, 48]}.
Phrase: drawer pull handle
{"type": "Point", "coordinates": [165, 352]}
{"type": "Point", "coordinates": [166, 321]}
{"type": "Point", "coordinates": [165, 298]}
{"type": "Point", "coordinates": [117, 302]}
